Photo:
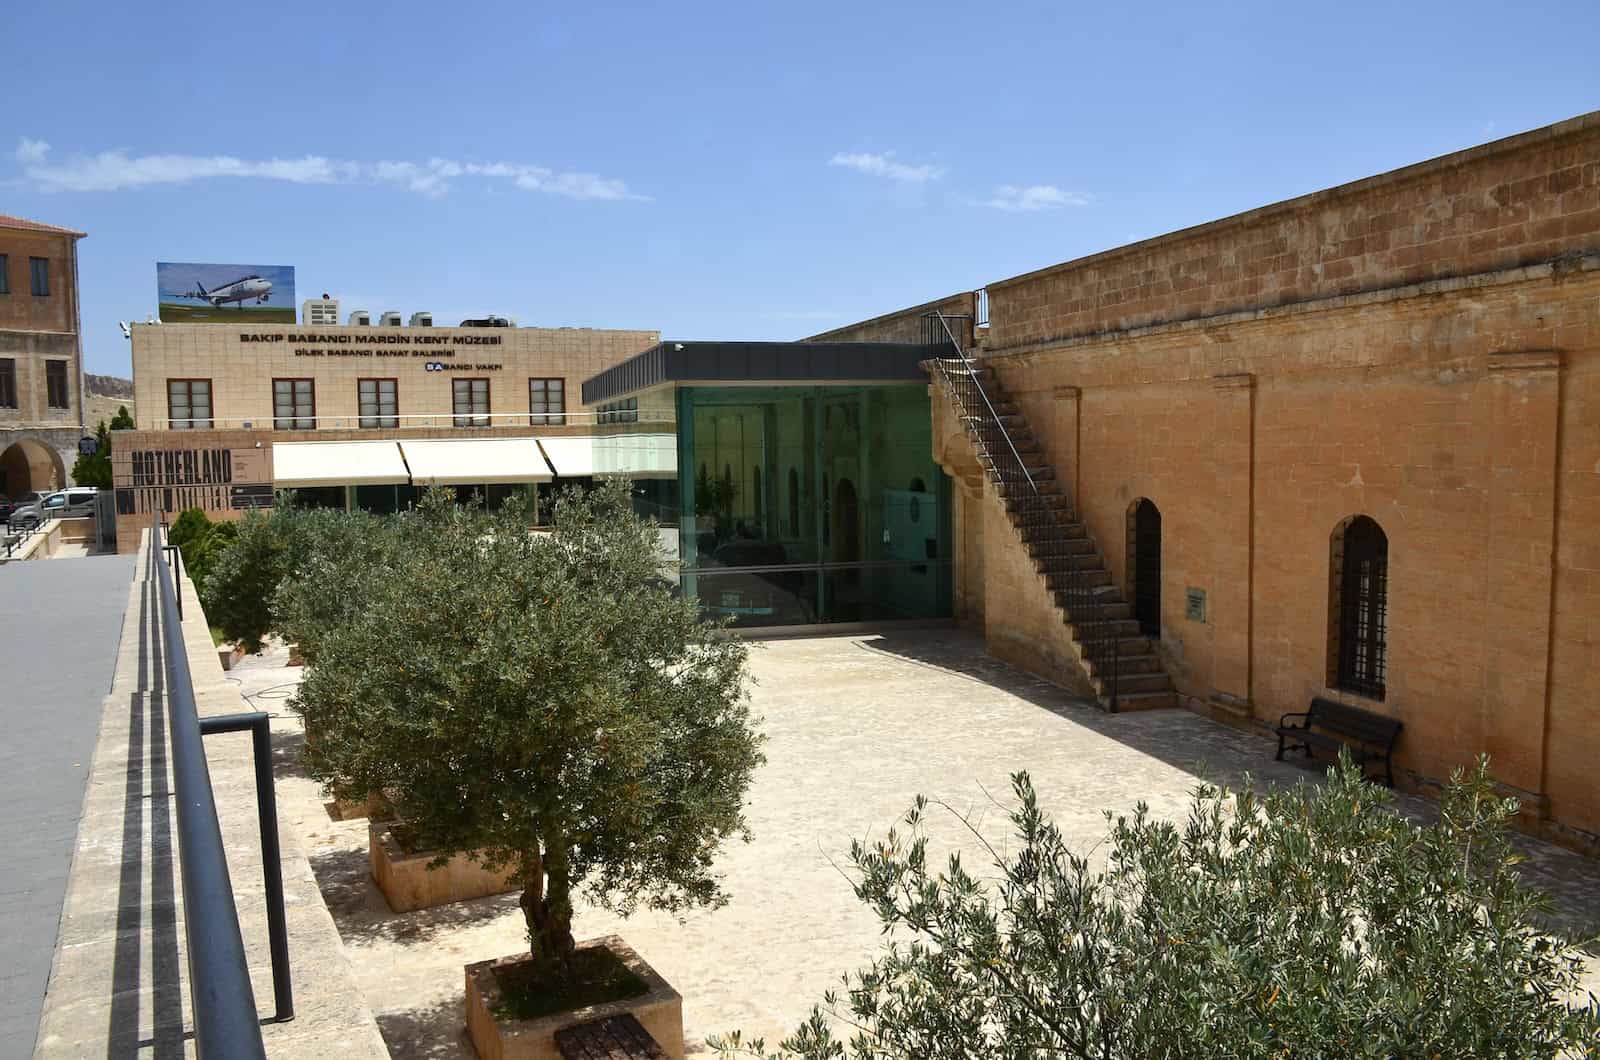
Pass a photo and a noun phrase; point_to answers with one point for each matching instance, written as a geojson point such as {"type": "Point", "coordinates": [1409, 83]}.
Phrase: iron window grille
{"type": "Point", "coordinates": [189, 404]}
{"type": "Point", "coordinates": [471, 402]}
{"type": "Point", "coordinates": [379, 402]}
{"type": "Point", "coordinates": [294, 405]}
{"type": "Point", "coordinates": [1362, 580]}
{"type": "Point", "coordinates": [5, 274]}
{"type": "Point", "coordinates": [547, 402]}
{"type": "Point", "coordinates": [39, 268]}
{"type": "Point", "coordinates": [8, 383]}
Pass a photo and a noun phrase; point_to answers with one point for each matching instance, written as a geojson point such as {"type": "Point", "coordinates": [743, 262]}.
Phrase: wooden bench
{"type": "Point", "coordinates": [1369, 737]}
{"type": "Point", "coordinates": [616, 1038]}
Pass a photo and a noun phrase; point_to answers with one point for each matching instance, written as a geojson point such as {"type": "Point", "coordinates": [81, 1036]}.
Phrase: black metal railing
{"type": "Point", "coordinates": [12, 538]}
{"type": "Point", "coordinates": [220, 994]}
{"type": "Point", "coordinates": [1089, 608]}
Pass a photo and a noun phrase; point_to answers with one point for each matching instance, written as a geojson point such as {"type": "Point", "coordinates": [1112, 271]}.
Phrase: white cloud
{"type": "Point", "coordinates": [884, 165]}
{"type": "Point", "coordinates": [117, 171]}
{"type": "Point", "coordinates": [32, 152]}
{"type": "Point", "coordinates": [1033, 197]}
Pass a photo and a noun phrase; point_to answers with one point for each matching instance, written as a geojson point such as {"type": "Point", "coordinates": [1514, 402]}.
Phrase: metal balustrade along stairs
{"type": "Point", "coordinates": [1120, 662]}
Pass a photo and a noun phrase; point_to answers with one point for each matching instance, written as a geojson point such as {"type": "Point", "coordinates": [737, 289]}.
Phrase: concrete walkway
{"type": "Point", "coordinates": [60, 624]}
{"type": "Point", "coordinates": [120, 985]}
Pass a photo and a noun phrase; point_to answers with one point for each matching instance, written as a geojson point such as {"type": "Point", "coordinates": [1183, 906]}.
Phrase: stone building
{"type": "Point", "coordinates": [361, 416]}
{"type": "Point", "coordinates": [41, 406]}
{"type": "Point", "coordinates": [1346, 445]}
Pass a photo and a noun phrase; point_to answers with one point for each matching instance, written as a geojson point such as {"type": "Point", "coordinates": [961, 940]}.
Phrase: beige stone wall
{"type": "Point", "coordinates": [1422, 347]}
{"type": "Point", "coordinates": [1453, 418]}
{"type": "Point", "coordinates": [905, 325]}
{"type": "Point", "coordinates": [35, 330]}
{"type": "Point", "coordinates": [1524, 199]}
{"type": "Point", "coordinates": [22, 310]}
{"type": "Point", "coordinates": [241, 370]}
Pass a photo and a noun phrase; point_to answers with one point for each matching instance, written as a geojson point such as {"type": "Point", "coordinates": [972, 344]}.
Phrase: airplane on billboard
{"type": "Point", "coordinates": [240, 290]}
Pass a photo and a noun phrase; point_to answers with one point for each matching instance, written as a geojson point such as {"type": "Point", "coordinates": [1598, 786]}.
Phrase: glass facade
{"type": "Point", "coordinates": [812, 504]}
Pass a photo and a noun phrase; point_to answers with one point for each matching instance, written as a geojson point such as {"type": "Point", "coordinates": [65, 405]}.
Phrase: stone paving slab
{"type": "Point", "coordinates": [857, 727]}
{"type": "Point", "coordinates": [59, 626]}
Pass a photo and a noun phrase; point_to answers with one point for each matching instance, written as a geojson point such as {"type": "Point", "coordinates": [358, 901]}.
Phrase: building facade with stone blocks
{"type": "Point", "coordinates": [41, 409]}
{"type": "Point", "coordinates": [1368, 423]}
{"type": "Point", "coordinates": [362, 416]}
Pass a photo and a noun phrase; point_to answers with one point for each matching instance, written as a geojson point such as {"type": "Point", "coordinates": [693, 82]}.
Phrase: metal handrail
{"type": "Point", "coordinates": [945, 324]}
{"type": "Point", "coordinates": [220, 994]}
{"type": "Point", "coordinates": [1030, 512]}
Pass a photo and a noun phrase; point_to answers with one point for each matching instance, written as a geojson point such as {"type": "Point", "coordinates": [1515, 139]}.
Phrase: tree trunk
{"type": "Point", "coordinates": [548, 909]}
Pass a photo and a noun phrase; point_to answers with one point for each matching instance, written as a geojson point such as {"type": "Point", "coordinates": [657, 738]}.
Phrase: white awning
{"type": "Point", "coordinates": [636, 455]}
{"type": "Point", "coordinates": [337, 464]}
{"type": "Point", "coordinates": [468, 461]}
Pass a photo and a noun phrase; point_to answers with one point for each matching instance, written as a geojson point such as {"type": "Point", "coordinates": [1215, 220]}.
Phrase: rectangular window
{"type": "Point", "coordinates": [8, 383]}
{"type": "Point", "coordinates": [547, 402]}
{"type": "Point", "coordinates": [379, 403]}
{"type": "Point", "coordinates": [189, 404]}
{"type": "Point", "coordinates": [294, 405]}
{"type": "Point", "coordinates": [41, 275]}
{"type": "Point", "coordinates": [55, 384]}
{"type": "Point", "coordinates": [5, 274]}
{"type": "Point", "coordinates": [471, 402]}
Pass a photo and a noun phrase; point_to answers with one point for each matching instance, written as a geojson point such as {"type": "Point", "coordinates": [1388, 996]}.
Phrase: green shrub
{"type": "Point", "coordinates": [1313, 922]}
{"type": "Point", "coordinates": [189, 525]}
{"type": "Point", "coordinates": [241, 578]}
{"type": "Point", "coordinates": [540, 701]}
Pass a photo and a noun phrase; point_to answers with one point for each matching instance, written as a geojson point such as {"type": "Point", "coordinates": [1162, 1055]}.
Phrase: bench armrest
{"type": "Point", "coordinates": [1284, 721]}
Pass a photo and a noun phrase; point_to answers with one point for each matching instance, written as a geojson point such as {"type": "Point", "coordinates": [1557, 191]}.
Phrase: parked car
{"type": "Point", "coordinates": [9, 508]}
{"type": "Point", "coordinates": [71, 503]}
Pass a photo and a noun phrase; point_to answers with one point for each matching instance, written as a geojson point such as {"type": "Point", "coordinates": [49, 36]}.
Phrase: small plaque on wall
{"type": "Point", "coordinates": [1194, 604]}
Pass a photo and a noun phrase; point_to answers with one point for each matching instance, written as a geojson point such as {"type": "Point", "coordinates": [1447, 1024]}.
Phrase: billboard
{"type": "Point", "coordinates": [196, 293]}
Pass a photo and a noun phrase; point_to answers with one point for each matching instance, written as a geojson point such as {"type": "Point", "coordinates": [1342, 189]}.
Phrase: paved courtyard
{"type": "Point", "coordinates": [857, 727]}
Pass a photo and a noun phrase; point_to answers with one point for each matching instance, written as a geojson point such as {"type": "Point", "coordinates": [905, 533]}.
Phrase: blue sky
{"type": "Point", "coordinates": [751, 170]}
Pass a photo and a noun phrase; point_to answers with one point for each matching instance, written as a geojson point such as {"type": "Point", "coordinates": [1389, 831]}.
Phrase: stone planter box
{"type": "Point", "coordinates": [373, 807]}
{"type": "Point", "coordinates": [295, 658]}
{"type": "Point", "coordinates": [659, 1011]}
{"type": "Point", "coordinates": [408, 884]}
{"type": "Point", "coordinates": [229, 655]}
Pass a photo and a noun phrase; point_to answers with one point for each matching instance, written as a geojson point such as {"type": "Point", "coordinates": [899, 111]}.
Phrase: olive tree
{"type": "Point", "coordinates": [541, 700]}
{"type": "Point", "coordinates": [332, 556]}
{"type": "Point", "coordinates": [1304, 922]}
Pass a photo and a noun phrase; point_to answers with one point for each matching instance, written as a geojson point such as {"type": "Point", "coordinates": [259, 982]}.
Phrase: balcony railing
{"type": "Point", "coordinates": [429, 420]}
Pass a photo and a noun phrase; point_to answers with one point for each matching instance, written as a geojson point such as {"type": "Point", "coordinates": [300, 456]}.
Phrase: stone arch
{"type": "Point", "coordinates": [27, 465]}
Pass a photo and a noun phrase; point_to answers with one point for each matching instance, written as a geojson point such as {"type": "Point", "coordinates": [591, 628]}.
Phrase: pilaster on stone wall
{"type": "Point", "coordinates": [1524, 393]}
{"type": "Point", "coordinates": [1232, 532]}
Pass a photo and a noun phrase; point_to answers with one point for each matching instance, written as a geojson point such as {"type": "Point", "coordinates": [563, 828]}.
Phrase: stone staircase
{"type": "Point", "coordinates": [1119, 661]}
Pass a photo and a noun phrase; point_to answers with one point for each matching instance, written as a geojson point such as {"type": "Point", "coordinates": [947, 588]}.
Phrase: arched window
{"type": "Point", "coordinates": [1358, 610]}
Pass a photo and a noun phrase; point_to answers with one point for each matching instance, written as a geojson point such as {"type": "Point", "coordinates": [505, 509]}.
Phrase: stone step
{"type": "Point", "coordinates": [1131, 701]}
{"type": "Point", "coordinates": [1131, 683]}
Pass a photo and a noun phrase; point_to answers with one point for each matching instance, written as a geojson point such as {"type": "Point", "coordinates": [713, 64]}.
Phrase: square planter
{"type": "Point", "coordinates": [374, 807]}
{"type": "Point", "coordinates": [407, 883]}
{"type": "Point", "coordinates": [295, 658]}
{"type": "Point", "coordinates": [659, 1010]}
{"type": "Point", "coordinates": [229, 654]}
